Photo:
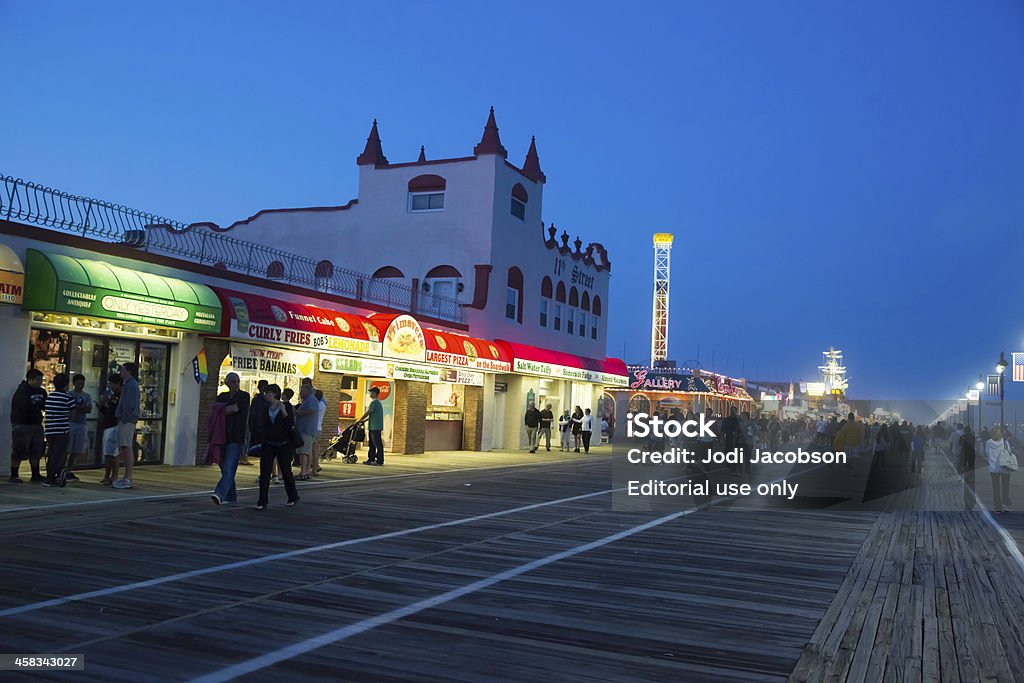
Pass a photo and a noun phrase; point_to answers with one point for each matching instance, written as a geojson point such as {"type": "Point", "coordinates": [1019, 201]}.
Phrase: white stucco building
{"type": "Point", "coordinates": [466, 234]}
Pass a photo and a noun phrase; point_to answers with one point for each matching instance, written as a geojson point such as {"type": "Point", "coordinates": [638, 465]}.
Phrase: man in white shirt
{"type": "Point", "coordinates": [587, 429]}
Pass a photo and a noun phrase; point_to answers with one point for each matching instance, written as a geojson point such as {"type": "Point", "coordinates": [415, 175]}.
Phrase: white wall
{"type": "Point", "coordinates": [14, 333]}
{"type": "Point", "coordinates": [183, 414]}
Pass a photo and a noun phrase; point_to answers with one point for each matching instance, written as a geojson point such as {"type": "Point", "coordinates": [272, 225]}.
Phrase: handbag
{"type": "Point", "coordinates": [1007, 460]}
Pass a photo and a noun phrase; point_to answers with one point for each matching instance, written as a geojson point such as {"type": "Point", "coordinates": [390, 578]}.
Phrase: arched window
{"type": "Point", "coordinates": [595, 314]}
{"type": "Point", "coordinates": [570, 317]}
{"type": "Point", "coordinates": [585, 302]}
{"type": "Point", "coordinates": [387, 272]}
{"type": "Point", "coordinates": [559, 304]}
{"type": "Point", "coordinates": [275, 270]}
{"type": "Point", "coordinates": [426, 193]}
{"type": "Point", "coordinates": [545, 300]}
{"type": "Point", "coordinates": [514, 295]}
{"type": "Point", "coordinates": [519, 199]}
{"type": "Point", "coordinates": [574, 297]}
{"type": "Point", "coordinates": [444, 271]}
{"type": "Point", "coordinates": [597, 305]}
{"type": "Point", "coordinates": [322, 274]}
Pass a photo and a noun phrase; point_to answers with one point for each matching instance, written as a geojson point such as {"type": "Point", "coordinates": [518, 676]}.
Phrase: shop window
{"type": "Point", "coordinates": [514, 295]}
{"type": "Point", "coordinates": [543, 312]}
{"type": "Point", "coordinates": [593, 327]}
{"type": "Point", "coordinates": [275, 270]}
{"type": "Point", "coordinates": [558, 317]}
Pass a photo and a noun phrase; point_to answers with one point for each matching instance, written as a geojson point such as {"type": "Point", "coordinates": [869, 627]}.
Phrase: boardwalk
{"type": "Point", "coordinates": [509, 568]}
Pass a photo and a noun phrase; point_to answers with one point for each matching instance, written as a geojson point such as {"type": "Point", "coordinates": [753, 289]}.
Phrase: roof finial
{"type": "Point", "coordinates": [372, 154]}
{"type": "Point", "coordinates": [490, 143]}
{"type": "Point", "coordinates": [531, 167]}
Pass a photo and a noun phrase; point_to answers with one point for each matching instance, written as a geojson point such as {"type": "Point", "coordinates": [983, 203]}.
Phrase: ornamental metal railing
{"type": "Point", "coordinates": [36, 204]}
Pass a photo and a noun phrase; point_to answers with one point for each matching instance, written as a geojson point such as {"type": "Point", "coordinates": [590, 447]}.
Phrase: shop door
{"type": "Point", "coordinates": [499, 419]}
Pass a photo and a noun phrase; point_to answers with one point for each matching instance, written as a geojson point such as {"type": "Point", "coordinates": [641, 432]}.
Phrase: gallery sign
{"type": "Point", "coordinates": [642, 379]}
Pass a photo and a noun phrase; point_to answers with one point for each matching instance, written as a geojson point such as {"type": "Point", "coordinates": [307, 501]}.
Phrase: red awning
{"type": "Point", "coordinates": [609, 366]}
{"type": "Point", "coordinates": [448, 348]}
{"type": "Point", "coordinates": [262, 319]}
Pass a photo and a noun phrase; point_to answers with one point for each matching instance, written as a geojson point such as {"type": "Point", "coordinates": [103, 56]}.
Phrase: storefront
{"type": "Point", "coordinates": [561, 380]}
{"type": "Point", "coordinates": [90, 317]}
{"type": "Point", "coordinates": [658, 391]}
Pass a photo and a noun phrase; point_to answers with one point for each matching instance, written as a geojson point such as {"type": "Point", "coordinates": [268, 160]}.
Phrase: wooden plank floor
{"type": "Point", "coordinates": [933, 595]}
{"type": "Point", "coordinates": [738, 592]}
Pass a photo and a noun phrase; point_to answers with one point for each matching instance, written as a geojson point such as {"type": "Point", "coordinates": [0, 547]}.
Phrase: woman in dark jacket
{"type": "Point", "coordinates": [577, 427]}
{"type": "Point", "coordinates": [276, 425]}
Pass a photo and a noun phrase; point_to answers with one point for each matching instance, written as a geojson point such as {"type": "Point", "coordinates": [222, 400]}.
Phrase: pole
{"type": "Point", "coordinates": [1002, 397]}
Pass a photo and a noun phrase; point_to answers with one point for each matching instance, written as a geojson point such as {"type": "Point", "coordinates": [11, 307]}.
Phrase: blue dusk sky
{"type": "Point", "coordinates": [835, 173]}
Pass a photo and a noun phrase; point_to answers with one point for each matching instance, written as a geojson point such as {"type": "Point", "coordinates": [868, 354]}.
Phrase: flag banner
{"type": "Point", "coordinates": [1018, 367]}
{"type": "Point", "coordinates": [199, 367]}
{"type": "Point", "coordinates": [993, 385]}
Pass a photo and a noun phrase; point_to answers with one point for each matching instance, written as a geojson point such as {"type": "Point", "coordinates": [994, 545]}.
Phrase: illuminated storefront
{"type": "Point", "coordinates": [90, 317]}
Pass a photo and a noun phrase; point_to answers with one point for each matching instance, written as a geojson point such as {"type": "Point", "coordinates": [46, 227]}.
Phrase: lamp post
{"type": "Point", "coordinates": [1001, 369]}
{"type": "Point", "coordinates": [979, 386]}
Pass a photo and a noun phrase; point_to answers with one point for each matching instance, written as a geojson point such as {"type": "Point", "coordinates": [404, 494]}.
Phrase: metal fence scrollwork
{"type": "Point", "coordinates": [36, 204]}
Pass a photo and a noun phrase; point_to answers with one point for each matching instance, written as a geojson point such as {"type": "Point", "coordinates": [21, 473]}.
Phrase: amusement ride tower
{"type": "Point", "coordinates": [659, 319]}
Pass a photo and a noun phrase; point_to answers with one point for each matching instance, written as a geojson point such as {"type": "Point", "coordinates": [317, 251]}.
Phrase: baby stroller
{"type": "Point", "coordinates": [345, 444]}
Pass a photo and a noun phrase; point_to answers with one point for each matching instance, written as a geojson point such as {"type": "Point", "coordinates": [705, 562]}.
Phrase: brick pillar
{"type": "Point", "coordinates": [473, 419]}
{"type": "Point", "coordinates": [330, 384]}
{"type": "Point", "coordinates": [411, 400]}
{"type": "Point", "coordinates": [216, 351]}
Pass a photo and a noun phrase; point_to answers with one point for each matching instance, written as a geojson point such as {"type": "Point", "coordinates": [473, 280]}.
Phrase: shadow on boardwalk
{"type": "Point", "coordinates": [936, 593]}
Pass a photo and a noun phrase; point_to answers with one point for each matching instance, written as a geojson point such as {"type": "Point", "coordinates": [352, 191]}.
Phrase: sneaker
{"type": "Point", "coordinates": [72, 477]}
{"type": "Point", "coordinates": [14, 480]}
{"type": "Point", "coordinates": [369, 462]}
{"type": "Point", "coordinates": [123, 484]}
{"type": "Point", "coordinates": [50, 484]}
{"type": "Point", "coordinates": [106, 482]}
{"type": "Point", "coordinates": [377, 463]}
{"type": "Point", "coordinates": [215, 498]}
{"type": "Point", "coordinates": [275, 479]}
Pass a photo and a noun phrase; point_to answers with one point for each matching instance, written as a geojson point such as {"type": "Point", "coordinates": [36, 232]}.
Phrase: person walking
{"type": "Point", "coordinates": [577, 428]}
{"type": "Point", "coordinates": [882, 445]}
{"type": "Point", "coordinates": [256, 407]}
{"type": "Point", "coordinates": [128, 413]}
{"type": "Point", "coordinates": [374, 417]}
{"type": "Point", "coordinates": [918, 442]}
{"type": "Point", "coordinates": [546, 419]}
{"type": "Point", "coordinates": [305, 423]}
{"type": "Point", "coordinates": [27, 439]}
{"type": "Point", "coordinates": [317, 444]}
{"type": "Point", "coordinates": [236, 418]}
{"type": "Point", "coordinates": [564, 430]}
{"type": "Point", "coordinates": [586, 429]}
{"type": "Point", "coordinates": [106, 427]}
{"type": "Point", "coordinates": [59, 405]}
{"type": "Point", "coordinates": [276, 434]}
{"type": "Point", "coordinates": [968, 453]}
{"type": "Point", "coordinates": [532, 421]}
{"type": "Point", "coordinates": [78, 436]}
{"type": "Point", "coordinates": [1000, 464]}
{"type": "Point", "coordinates": [849, 439]}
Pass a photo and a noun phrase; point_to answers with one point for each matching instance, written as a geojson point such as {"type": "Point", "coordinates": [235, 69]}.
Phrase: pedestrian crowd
{"type": "Point", "coordinates": [575, 430]}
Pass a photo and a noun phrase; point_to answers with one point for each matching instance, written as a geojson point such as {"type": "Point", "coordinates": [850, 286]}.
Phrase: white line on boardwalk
{"type": "Point", "coordinates": [333, 482]}
{"type": "Point", "coordinates": [345, 632]}
{"type": "Point", "coordinates": [170, 578]}
{"type": "Point", "coordinates": [355, 629]}
{"type": "Point", "coordinates": [1011, 545]}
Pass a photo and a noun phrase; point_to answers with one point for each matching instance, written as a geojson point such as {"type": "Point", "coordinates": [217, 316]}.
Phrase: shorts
{"type": "Point", "coordinates": [307, 445]}
{"type": "Point", "coordinates": [126, 435]}
{"type": "Point", "coordinates": [78, 438]}
{"type": "Point", "coordinates": [110, 442]}
{"type": "Point", "coordinates": [27, 442]}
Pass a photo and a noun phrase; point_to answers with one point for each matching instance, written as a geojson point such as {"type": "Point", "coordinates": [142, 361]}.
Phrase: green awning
{"type": "Point", "coordinates": [63, 284]}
